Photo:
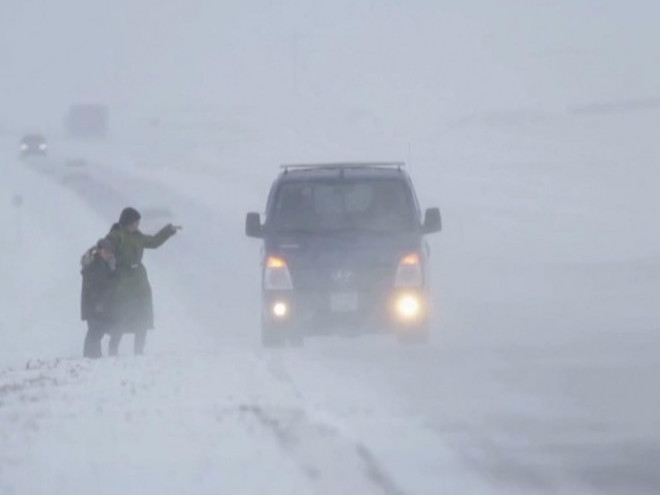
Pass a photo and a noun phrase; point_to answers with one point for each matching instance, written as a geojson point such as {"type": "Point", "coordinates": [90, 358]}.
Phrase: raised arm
{"type": "Point", "coordinates": [158, 239]}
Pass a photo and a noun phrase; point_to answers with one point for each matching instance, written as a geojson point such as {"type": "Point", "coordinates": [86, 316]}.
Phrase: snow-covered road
{"type": "Point", "coordinates": [539, 377]}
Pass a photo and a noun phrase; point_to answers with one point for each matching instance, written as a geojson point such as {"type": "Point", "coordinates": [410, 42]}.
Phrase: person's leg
{"type": "Point", "coordinates": [140, 339]}
{"type": "Point", "coordinates": [92, 345]}
{"type": "Point", "coordinates": [113, 345]}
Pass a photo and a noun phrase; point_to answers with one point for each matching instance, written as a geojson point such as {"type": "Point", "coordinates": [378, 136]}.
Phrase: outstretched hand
{"type": "Point", "coordinates": [173, 228]}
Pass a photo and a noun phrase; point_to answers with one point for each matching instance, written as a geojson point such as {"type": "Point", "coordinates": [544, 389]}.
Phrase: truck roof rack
{"type": "Point", "coordinates": [342, 166]}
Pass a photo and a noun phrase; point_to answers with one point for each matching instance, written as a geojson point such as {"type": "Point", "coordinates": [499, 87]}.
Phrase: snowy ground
{"type": "Point", "coordinates": [540, 377]}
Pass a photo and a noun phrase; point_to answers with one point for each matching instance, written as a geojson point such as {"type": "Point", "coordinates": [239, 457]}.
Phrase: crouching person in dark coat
{"type": "Point", "coordinates": [98, 303]}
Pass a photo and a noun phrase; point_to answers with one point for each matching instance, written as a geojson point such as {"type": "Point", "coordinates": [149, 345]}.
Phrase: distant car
{"type": "Point", "coordinates": [33, 144]}
{"type": "Point", "coordinates": [344, 252]}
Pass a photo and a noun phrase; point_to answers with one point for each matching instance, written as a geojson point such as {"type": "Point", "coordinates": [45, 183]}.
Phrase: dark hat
{"type": "Point", "coordinates": [105, 243]}
{"type": "Point", "coordinates": [128, 216]}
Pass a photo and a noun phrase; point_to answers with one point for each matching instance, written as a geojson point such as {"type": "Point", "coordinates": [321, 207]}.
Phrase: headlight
{"type": "Point", "coordinates": [276, 274]}
{"type": "Point", "coordinates": [24, 146]}
{"type": "Point", "coordinates": [408, 307]}
{"type": "Point", "coordinates": [409, 272]}
{"type": "Point", "coordinates": [280, 309]}
{"type": "Point", "coordinates": [43, 146]}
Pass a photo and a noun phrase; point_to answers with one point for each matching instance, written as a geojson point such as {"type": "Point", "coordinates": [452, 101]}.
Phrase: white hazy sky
{"type": "Point", "coordinates": [418, 60]}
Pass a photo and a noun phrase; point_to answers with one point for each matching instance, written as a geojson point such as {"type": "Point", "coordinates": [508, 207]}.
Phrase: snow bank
{"type": "Point", "coordinates": [46, 230]}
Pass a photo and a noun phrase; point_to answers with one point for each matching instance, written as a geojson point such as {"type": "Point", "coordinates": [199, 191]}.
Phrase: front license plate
{"type": "Point", "coordinates": [344, 302]}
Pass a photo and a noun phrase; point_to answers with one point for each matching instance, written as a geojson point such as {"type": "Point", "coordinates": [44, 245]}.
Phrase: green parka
{"type": "Point", "coordinates": [134, 300]}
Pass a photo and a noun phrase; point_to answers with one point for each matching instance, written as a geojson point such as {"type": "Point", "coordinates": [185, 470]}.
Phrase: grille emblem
{"type": "Point", "coordinates": [343, 277]}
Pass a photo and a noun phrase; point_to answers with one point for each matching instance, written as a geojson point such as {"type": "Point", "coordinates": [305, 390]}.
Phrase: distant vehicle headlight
{"type": "Point", "coordinates": [24, 146]}
{"type": "Point", "coordinates": [43, 146]}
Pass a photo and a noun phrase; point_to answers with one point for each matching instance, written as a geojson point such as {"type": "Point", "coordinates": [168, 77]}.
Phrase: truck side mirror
{"type": "Point", "coordinates": [432, 221]}
{"type": "Point", "coordinates": [253, 226]}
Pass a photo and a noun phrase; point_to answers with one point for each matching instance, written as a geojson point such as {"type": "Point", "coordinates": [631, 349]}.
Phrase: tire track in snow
{"type": "Point", "coordinates": [309, 443]}
{"type": "Point", "coordinates": [298, 434]}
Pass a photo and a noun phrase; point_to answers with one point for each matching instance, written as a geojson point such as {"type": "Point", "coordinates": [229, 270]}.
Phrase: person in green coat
{"type": "Point", "coordinates": [134, 300]}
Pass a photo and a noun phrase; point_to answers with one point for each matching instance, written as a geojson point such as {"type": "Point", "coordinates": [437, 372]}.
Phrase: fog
{"type": "Point", "coordinates": [416, 65]}
{"type": "Point", "coordinates": [531, 125]}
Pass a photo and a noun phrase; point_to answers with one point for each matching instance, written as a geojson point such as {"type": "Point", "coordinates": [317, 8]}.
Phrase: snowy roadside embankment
{"type": "Point", "coordinates": [45, 231]}
{"type": "Point", "coordinates": [230, 421]}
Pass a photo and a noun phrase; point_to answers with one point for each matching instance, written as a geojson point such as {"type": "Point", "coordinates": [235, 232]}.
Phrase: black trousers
{"type": "Point", "coordinates": [138, 343]}
{"type": "Point", "coordinates": [96, 328]}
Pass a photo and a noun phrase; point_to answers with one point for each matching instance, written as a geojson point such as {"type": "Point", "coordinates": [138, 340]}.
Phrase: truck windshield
{"type": "Point", "coordinates": [382, 205]}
